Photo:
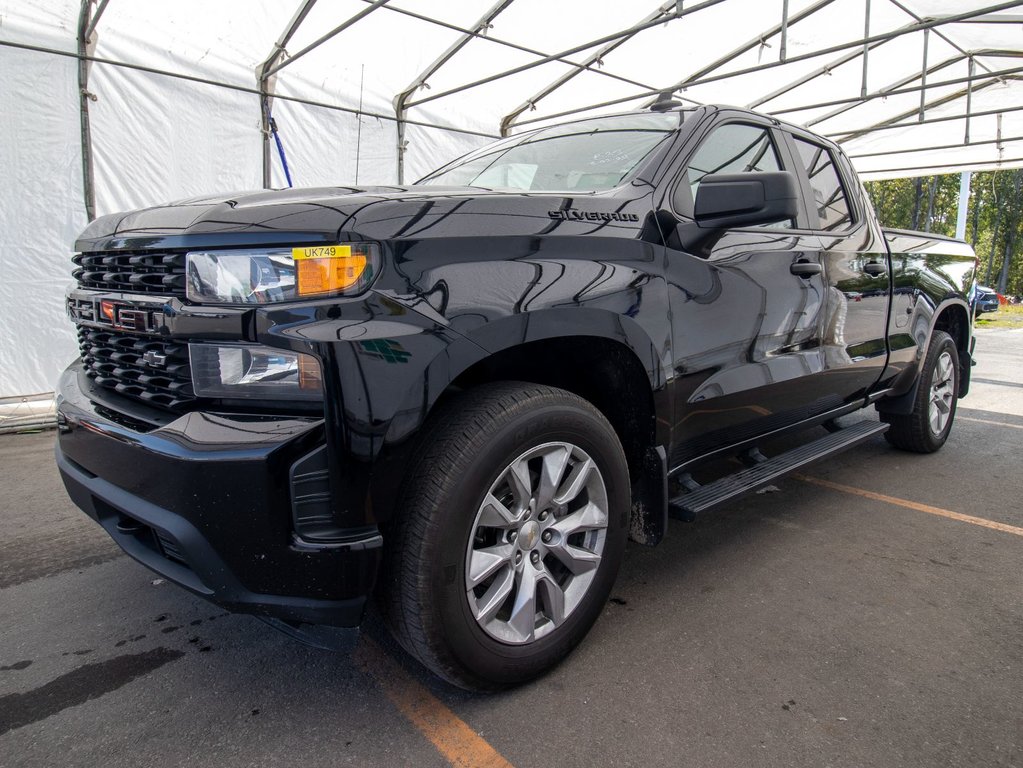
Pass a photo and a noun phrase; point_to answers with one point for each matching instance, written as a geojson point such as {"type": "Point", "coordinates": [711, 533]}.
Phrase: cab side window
{"type": "Point", "coordinates": [829, 197]}
{"type": "Point", "coordinates": [733, 148]}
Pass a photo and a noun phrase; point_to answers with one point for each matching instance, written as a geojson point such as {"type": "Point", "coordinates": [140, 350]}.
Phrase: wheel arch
{"type": "Point", "coordinates": [953, 317]}
{"type": "Point", "coordinates": [606, 359]}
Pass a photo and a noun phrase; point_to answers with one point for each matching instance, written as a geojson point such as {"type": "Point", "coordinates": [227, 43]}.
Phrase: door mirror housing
{"type": "Point", "coordinates": [727, 200]}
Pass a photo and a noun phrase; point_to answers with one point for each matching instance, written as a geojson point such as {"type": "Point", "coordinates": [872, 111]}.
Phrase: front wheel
{"type": "Point", "coordinates": [926, 428]}
{"type": "Point", "coordinates": [509, 535]}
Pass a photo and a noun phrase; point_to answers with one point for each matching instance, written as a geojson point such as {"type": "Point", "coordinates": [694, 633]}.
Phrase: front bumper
{"type": "Point", "coordinates": [205, 501]}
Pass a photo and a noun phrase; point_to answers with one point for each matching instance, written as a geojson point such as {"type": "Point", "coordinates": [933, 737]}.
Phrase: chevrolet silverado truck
{"type": "Point", "coordinates": [461, 397]}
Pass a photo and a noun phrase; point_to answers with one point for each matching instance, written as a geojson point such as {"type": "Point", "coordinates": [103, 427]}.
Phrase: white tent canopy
{"type": "Point", "coordinates": [115, 104]}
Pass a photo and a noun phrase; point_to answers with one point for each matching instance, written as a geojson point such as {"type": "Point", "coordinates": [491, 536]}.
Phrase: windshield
{"type": "Point", "coordinates": [588, 155]}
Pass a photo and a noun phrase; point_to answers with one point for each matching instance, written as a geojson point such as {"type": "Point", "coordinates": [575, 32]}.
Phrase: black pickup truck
{"type": "Point", "coordinates": [461, 397]}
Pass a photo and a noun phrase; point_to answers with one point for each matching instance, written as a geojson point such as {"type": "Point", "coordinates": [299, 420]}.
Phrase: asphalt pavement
{"type": "Point", "coordinates": [866, 613]}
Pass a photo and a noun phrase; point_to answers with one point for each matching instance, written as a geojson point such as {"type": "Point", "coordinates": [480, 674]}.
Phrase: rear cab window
{"type": "Point", "coordinates": [830, 201]}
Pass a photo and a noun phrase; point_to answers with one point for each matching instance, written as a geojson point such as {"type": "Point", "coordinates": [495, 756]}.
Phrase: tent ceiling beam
{"type": "Point", "coordinates": [945, 38]}
{"type": "Point", "coordinates": [919, 170]}
{"type": "Point", "coordinates": [506, 43]}
{"type": "Point", "coordinates": [828, 68]}
{"type": "Point", "coordinates": [893, 90]}
{"type": "Point", "coordinates": [94, 22]}
{"type": "Point", "coordinates": [897, 120]}
{"type": "Point", "coordinates": [749, 45]}
{"type": "Point", "coordinates": [825, 70]}
{"type": "Point", "coordinates": [354, 19]}
{"type": "Point", "coordinates": [886, 126]}
{"type": "Point", "coordinates": [235, 87]}
{"type": "Point", "coordinates": [420, 81]}
{"type": "Point", "coordinates": [594, 58]}
{"type": "Point", "coordinates": [998, 18]}
{"type": "Point", "coordinates": [935, 148]}
{"type": "Point", "coordinates": [569, 52]}
{"type": "Point", "coordinates": [909, 29]}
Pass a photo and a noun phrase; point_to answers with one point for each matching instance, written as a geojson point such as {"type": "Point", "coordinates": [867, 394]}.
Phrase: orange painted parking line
{"type": "Point", "coordinates": [984, 523]}
{"type": "Point", "coordinates": [454, 739]}
{"type": "Point", "coordinates": [988, 421]}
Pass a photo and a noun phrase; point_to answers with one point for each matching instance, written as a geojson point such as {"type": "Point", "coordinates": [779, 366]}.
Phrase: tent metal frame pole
{"type": "Point", "coordinates": [888, 126]}
{"type": "Point", "coordinates": [828, 68]}
{"type": "Point", "coordinates": [944, 38]}
{"type": "Point", "coordinates": [803, 80]}
{"type": "Point", "coordinates": [935, 148]}
{"type": "Point", "coordinates": [87, 25]}
{"type": "Point", "coordinates": [507, 44]}
{"type": "Point", "coordinates": [923, 78]}
{"type": "Point", "coordinates": [95, 19]}
{"type": "Point", "coordinates": [866, 47]}
{"type": "Point", "coordinates": [969, 100]}
{"type": "Point", "coordinates": [983, 165]}
{"type": "Point", "coordinates": [596, 57]}
{"type": "Point", "coordinates": [354, 19]}
{"type": "Point", "coordinates": [783, 48]}
{"type": "Point", "coordinates": [894, 89]}
{"type": "Point", "coordinates": [883, 37]}
{"type": "Point", "coordinates": [567, 52]}
{"type": "Point", "coordinates": [749, 45]}
{"type": "Point", "coordinates": [897, 119]}
{"type": "Point", "coordinates": [421, 80]}
{"type": "Point", "coordinates": [1002, 19]}
{"type": "Point", "coordinates": [268, 81]}
{"type": "Point", "coordinates": [924, 25]}
{"type": "Point", "coordinates": [235, 87]}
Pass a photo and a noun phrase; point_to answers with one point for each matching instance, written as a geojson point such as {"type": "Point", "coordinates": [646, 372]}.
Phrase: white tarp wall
{"type": "Point", "coordinates": [41, 211]}
{"type": "Point", "coordinates": [160, 136]}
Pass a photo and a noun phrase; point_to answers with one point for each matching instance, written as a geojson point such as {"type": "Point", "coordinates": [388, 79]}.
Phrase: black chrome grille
{"type": "Point", "coordinates": [152, 370]}
{"type": "Point", "coordinates": [132, 271]}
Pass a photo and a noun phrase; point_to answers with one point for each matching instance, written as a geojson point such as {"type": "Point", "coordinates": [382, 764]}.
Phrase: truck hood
{"type": "Point", "coordinates": [325, 214]}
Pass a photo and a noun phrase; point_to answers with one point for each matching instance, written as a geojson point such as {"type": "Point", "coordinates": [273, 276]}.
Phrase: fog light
{"type": "Point", "coordinates": [253, 372]}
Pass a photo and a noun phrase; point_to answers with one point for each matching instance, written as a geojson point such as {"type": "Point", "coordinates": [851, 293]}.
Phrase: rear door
{"type": "Point", "coordinates": [856, 268]}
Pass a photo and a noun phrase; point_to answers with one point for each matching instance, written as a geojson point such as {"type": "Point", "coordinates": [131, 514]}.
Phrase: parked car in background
{"type": "Point", "coordinates": [985, 300]}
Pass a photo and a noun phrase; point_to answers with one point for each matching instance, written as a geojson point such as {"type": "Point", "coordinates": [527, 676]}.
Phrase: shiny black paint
{"type": "Point", "coordinates": [731, 343]}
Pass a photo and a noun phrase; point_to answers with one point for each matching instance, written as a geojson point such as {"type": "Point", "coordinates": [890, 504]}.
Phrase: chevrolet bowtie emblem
{"type": "Point", "coordinates": [154, 359]}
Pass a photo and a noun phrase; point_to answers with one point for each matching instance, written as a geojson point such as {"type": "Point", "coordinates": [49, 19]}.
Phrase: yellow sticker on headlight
{"type": "Point", "coordinates": [321, 252]}
{"type": "Point", "coordinates": [327, 268]}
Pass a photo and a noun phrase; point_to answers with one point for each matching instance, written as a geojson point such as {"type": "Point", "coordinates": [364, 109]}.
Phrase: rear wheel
{"type": "Point", "coordinates": [509, 535]}
{"type": "Point", "coordinates": [926, 428]}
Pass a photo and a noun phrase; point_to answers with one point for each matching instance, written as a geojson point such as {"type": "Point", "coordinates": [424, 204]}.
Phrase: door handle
{"type": "Point", "coordinates": [805, 268]}
{"type": "Point", "coordinates": [875, 268]}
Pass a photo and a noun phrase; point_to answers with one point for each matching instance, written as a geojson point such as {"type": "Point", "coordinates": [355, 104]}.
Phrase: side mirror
{"type": "Point", "coordinates": [726, 200]}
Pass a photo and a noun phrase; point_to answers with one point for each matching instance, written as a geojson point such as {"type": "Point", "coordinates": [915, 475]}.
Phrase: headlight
{"type": "Point", "coordinates": [250, 371]}
{"type": "Point", "coordinates": [280, 274]}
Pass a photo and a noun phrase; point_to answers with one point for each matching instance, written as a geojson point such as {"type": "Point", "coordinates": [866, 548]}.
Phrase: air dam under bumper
{"type": "Point", "coordinates": [204, 501]}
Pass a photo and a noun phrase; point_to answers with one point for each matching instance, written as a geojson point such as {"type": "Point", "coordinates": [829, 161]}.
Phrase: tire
{"type": "Point", "coordinates": [926, 428]}
{"type": "Point", "coordinates": [472, 450]}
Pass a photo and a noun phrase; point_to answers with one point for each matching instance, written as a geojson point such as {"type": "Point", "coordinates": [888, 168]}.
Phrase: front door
{"type": "Point", "coordinates": [747, 314]}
